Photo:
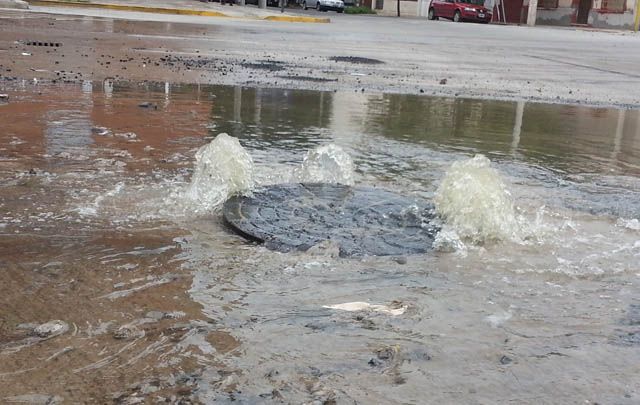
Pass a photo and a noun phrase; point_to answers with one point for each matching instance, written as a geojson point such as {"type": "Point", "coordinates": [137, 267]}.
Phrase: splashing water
{"type": "Point", "coordinates": [475, 203]}
{"type": "Point", "coordinates": [223, 167]}
{"type": "Point", "coordinates": [326, 164]}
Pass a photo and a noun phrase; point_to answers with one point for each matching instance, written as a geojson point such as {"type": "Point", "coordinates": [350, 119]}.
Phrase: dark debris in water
{"type": "Point", "coordinates": [270, 65]}
{"type": "Point", "coordinates": [356, 59]}
{"type": "Point", "coordinates": [308, 78]}
{"type": "Point", "coordinates": [625, 338]}
{"type": "Point", "coordinates": [632, 317]}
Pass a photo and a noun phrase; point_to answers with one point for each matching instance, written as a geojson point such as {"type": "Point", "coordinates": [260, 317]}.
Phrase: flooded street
{"type": "Point", "coordinates": [532, 300]}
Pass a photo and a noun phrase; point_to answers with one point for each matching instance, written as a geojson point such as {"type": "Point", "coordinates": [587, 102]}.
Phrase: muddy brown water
{"type": "Point", "coordinates": [164, 305]}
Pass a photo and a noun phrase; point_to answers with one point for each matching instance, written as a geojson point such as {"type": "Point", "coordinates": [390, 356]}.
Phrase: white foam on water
{"type": "Point", "coordinates": [365, 306]}
{"type": "Point", "coordinates": [498, 319]}
{"type": "Point", "coordinates": [631, 224]}
{"type": "Point", "coordinates": [91, 209]}
{"type": "Point", "coordinates": [476, 204]}
{"type": "Point", "coordinates": [447, 240]}
{"type": "Point", "coordinates": [326, 164]}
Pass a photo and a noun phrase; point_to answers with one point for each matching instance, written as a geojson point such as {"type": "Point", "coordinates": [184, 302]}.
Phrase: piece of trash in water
{"type": "Point", "coordinates": [4, 97]}
{"type": "Point", "coordinates": [51, 329]}
{"type": "Point", "coordinates": [126, 332]}
{"type": "Point", "coordinates": [26, 54]}
{"type": "Point", "coordinates": [127, 135]}
{"type": "Point", "coordinates": [365, 306]}
{"type": "Point", "coordinates": [102, 131]}
{"type": "Point", "coordinates": [148, 104]}
{"type": "Point", "coordinates": [358, 74]}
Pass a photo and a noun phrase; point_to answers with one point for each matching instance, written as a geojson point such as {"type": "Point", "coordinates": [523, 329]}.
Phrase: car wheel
{"type": "Point", "coordinates": [304, 5]}
{"type": "Point", "coordinates": [340, 11]}
{"type": "Point", "coordinates": [456, 16]}
{"type": "Point", "coordinates": [318, 6]}
{"type": "Point", "coordinates": [432, 14]}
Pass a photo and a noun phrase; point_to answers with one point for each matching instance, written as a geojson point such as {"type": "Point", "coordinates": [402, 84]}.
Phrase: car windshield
{"type": "Point", "coordinates": [475, 2]}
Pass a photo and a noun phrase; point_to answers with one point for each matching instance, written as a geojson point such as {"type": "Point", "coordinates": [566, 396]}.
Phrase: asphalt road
{"type": "Point", "coordinates": [418, 56]}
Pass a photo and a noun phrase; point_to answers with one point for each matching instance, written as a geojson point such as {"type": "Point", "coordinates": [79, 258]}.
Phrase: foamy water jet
{"type": "Point", "coordinates": [475, 203]}
{"type": "Point", "coordinates": [223, 167]}
{"type": "Point", "coordinates": [326, 164]}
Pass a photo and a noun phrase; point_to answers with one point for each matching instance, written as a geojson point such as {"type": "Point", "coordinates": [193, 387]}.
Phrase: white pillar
{"type": "Point", "coordinates": [532, 14]}
{"type": "Point", "coordinates": [421, 7]}
{"type": "Point", "coordinates": [262, 3]}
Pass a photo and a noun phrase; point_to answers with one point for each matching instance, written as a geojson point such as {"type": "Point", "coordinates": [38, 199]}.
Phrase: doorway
{"type": "Point", "coordinates": [583, 11]}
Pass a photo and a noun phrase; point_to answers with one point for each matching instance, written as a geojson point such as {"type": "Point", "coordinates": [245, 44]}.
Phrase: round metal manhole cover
{"type": "Point", "coordinates": [359, 220]}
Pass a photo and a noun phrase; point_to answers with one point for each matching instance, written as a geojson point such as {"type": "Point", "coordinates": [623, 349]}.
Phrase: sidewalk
{"type": "Point", "coordinates": [186, 7]}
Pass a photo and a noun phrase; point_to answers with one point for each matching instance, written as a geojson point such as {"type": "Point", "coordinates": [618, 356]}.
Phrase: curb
{"type": "Point", "coordinates": [176, 11]}
{"type": "Point", "coordinates": [120, 7]}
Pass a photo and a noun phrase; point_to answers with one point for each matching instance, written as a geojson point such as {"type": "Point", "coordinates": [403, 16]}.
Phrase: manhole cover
{"type": "Point", "coordinates": [359, 220]}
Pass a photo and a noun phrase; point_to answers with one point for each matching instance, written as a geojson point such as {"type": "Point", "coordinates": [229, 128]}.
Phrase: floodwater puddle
{"type": "Point", "coordinates": [110, 224]}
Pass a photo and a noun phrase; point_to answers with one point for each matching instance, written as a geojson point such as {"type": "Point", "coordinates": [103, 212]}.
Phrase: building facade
{"type": "Point", "coordinates": [614, 14]}
{"type": "Point", "coordinates": [617, 14]}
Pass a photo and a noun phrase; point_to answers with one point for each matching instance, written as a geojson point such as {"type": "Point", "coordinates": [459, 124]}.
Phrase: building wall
{"type": "Point", "coordinates": [407, 8]}
{"type": "Point", "coordinates": [567, 10]}
{"type": "Point", "coordinates": [603, 19]}
{"type": "Point", "coordinates": [559, 16]}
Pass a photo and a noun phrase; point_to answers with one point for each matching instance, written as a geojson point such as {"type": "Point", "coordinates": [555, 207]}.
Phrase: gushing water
{"type": "Point", "coordinates": [326, 164]}
{"type": "Point", "coordinates": [223, 167]}
{"type": "Point", "coordinates": [475, 203]}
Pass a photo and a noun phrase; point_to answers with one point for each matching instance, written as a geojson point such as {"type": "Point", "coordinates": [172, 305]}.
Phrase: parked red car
{"type": "Point", "coordinates": [460, 10]}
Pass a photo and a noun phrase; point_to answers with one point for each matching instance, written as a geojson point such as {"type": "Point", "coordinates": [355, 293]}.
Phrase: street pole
{"type": "Point", "coordinates": [532, 14]}
{"type": "Point", "coordinates": [636, 22]}
{"type": "Point", "coordinates": [399, 8]}
{"type": "Point", "coordinates": [262, 3]}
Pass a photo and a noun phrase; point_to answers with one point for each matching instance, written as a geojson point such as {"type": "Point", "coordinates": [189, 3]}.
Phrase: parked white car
{"type": "Point", "coordinates": [324, 5]}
